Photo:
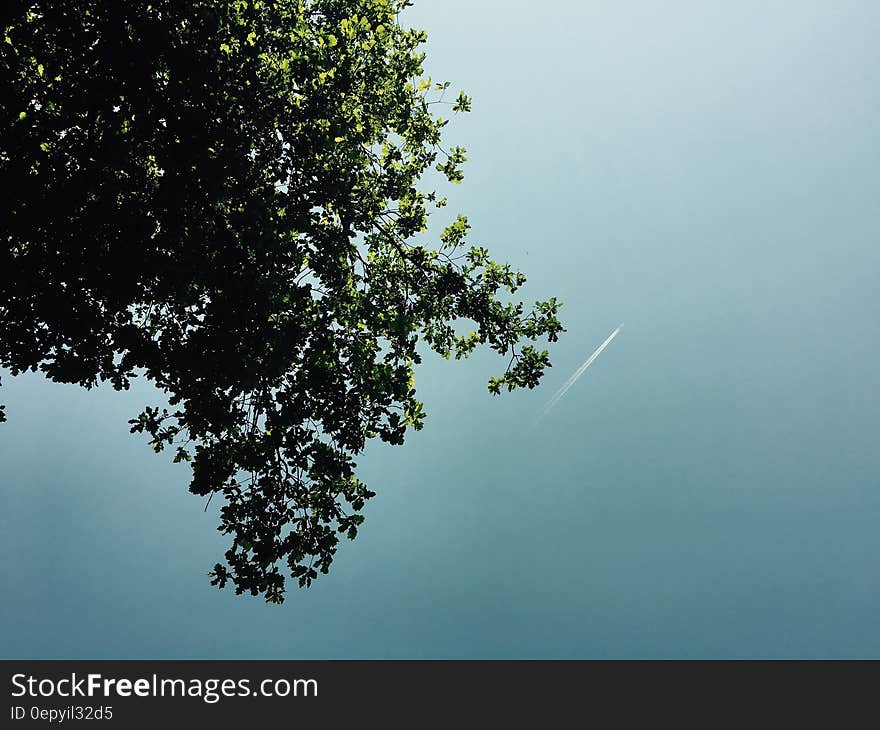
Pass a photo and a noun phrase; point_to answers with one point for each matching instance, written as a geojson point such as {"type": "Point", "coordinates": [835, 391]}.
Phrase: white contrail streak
{"type": "Point", "coordinates": [577, 374]}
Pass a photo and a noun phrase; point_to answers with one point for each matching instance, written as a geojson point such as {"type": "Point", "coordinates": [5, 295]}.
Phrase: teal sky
{"type": "Point", "coordinates": [707, 173]}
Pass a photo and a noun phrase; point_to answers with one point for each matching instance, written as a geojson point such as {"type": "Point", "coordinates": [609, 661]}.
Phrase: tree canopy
{"type": "Point", "coordinates": [228, 198]}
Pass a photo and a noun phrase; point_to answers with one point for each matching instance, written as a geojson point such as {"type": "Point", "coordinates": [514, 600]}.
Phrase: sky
{"type": "Point", "coordinates": [707, 173]}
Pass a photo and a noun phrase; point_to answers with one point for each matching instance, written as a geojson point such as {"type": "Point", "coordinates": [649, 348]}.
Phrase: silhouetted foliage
{"type": "Point", "coordinates": [222, 196]}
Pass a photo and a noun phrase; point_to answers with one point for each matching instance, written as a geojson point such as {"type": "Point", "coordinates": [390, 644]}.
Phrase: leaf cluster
{"type": "Point", "coordinates": [224, 196]}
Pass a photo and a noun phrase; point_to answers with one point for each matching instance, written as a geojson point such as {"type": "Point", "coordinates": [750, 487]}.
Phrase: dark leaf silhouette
{"type": "Point", "coordinates": [225, 197]}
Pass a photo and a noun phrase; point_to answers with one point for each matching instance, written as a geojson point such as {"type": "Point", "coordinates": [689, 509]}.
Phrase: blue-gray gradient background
{"type": "Point", "coordinates": [707, 173]}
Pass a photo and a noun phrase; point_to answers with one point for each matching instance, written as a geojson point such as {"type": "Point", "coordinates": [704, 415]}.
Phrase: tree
{"type": "Point", "coordinates": [223, 197]}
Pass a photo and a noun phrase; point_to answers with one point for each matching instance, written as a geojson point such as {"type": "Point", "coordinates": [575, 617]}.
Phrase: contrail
{"type": "Point", "coordinates": [577, 374]}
